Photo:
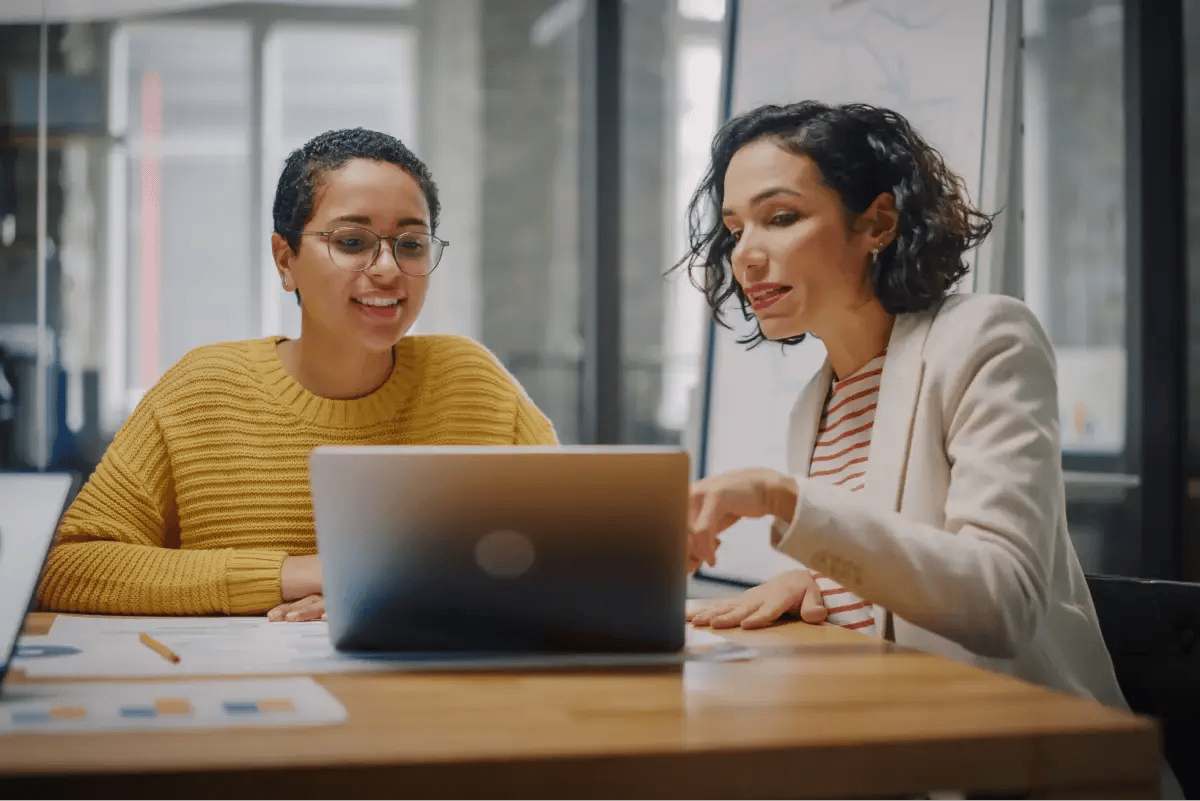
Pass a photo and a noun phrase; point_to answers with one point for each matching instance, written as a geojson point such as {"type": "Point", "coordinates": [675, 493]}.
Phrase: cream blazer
{"type": "Point", "coordinates": [960, 536]}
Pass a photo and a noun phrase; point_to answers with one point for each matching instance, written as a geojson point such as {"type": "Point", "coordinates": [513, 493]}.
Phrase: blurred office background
{"type": "Point", "coordinates": [167, 132]}
{"type": "Point", "coordinates": [566, 137]}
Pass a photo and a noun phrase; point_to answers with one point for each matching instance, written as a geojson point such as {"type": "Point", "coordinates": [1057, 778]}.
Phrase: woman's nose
{"type": "Point", "coordinates": [748, 260]}
{"type": "Point", "coordinates": [385, 265]}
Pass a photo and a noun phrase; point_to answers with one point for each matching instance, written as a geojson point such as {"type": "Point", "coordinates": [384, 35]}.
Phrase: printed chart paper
{"type": "Point", "coordinates": [109, 647]}
{"type": "Point", "coordinates": [138, 706]}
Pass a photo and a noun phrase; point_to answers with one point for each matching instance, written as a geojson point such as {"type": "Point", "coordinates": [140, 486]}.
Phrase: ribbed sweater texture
{"type": "Point", "coordinates": [204, 491]}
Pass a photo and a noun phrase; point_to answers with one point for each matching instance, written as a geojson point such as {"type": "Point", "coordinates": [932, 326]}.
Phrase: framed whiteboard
{"type": "Point", "coordinates": [930, 60]}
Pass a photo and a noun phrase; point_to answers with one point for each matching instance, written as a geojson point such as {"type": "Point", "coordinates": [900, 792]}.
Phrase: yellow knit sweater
{"type": "Point", "coordinates": [204, 490]}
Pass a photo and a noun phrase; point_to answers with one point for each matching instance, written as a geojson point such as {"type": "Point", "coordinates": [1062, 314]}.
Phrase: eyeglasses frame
{"type": "Point", "coordinates": [379, 240]}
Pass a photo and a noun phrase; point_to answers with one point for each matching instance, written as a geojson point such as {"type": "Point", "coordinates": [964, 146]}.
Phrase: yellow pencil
{"type": "Point", "coordinates": [156, 646]}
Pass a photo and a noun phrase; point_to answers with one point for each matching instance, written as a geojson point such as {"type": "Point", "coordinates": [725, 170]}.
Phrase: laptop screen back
{"type": "Point", "coordinates": [30, 507]}
{"type": "Point", "coordinates": [563, 549]}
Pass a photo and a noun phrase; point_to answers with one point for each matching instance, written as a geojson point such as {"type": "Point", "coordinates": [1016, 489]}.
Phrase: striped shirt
{"type": "Point", "coordinates": [840, 458]}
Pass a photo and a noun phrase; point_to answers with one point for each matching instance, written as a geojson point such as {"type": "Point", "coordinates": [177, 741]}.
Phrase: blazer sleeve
{"type": "Point", "coordinates": [982, 579]}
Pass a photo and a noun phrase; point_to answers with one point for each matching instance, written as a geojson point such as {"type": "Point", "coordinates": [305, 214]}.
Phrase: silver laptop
{"type": "Point", "coordinates": [517, 549]}
{"type": "Point", "coordinates": [30, 507]}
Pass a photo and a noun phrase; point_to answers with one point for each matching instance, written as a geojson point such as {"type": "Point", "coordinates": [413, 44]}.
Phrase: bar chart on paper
{"type": "Point", "coordinates": [124, 706]}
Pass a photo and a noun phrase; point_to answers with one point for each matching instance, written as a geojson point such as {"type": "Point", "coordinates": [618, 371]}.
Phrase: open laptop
{"type": "Point", "coordinates": [30, 507]}
{"type": "Point", "coordinates": [514, 549]}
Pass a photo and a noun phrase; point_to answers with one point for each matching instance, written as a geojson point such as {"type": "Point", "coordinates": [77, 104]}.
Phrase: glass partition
{"type": "Point", "coordinates": [168, 123]}
{"type": "Point", "coordinates": [1075, 262]}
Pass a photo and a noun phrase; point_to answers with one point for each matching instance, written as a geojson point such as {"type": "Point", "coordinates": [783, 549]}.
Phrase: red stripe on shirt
{"type": "Point", "coordinates": [850, 477]}
{"type": "Point", "coordinates": [826, 427]}
{"type": "Point", "coordinates": [854, 397]}
{"type": "Point", "coordinates": [847, 433]}
{"type": "Point", "coordinates": [820, 473]}
{"type": "Point", "coordinates": [848, 607]}
{"type": "Point", "coordinates": [854, 379]}
{"type": "Point", "coordinates": [825, 458]}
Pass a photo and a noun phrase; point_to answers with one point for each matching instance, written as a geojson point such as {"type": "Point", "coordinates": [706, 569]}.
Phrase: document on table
{"type": "Point", "coordinates": [194, 704]}
{"type": "Point", "coordinates": [104, 647]}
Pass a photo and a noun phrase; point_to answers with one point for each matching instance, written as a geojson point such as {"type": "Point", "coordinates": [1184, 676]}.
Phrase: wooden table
{"type": "Point", "coordinates": [823, 712]}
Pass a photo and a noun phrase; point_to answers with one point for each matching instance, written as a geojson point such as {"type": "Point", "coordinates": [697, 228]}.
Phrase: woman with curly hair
{"type": "Point", "coordinates": [924, 493]}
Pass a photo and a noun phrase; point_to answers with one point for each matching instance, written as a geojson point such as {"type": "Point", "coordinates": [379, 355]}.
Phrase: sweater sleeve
{"type": "Point", "coordinates": [531, 426]}
{"type": "Point", "coordinates": [117, 549]}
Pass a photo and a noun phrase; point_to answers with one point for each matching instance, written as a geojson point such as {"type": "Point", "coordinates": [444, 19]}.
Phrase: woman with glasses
{"type": "Point", "coordinates": [201, 504]}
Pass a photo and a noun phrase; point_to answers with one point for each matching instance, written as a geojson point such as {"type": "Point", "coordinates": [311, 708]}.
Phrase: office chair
{"type": "Point", "coordinates": [1151, 630]}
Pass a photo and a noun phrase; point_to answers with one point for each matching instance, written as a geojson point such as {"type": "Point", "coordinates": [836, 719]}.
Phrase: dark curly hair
{"type": "Point", "coordinates": [307, 166]}
{"type": "Point", "coordinates": [862, 152]}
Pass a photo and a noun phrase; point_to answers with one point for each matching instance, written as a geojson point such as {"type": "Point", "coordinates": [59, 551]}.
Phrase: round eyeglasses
{"type": "Point", "coordinates": [356, 249]}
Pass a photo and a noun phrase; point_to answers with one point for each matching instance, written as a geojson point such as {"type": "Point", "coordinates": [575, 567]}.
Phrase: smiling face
{"type": "Point", "coordinates": [797, 259]}
{"type": "Point", "coordinates": [367, 311]}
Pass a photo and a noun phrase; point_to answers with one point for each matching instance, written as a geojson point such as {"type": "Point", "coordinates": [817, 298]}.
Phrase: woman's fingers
{"type": "Point", "coordinates": [314, 609]}
{"type": "Point", "coordinates": [704, 530]}
{"type": "Point", "coordinates": [735, 616]}
{"type": "Point", "coordinates": [311, 607]}
{"type": "Point", "coordinates": [704, 615]}
{"type": "Point", "coordinates": [812, 606]}
{"type": "Point", "coordinates": [694, 558]}
{"type": "Point", "coordinates": [770, 611]}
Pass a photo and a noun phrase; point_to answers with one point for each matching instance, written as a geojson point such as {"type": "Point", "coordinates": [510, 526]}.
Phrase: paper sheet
{"type": "Point", "coordinates": [120, 706]}
{"type": "Point", "coordinates": [109, 647]}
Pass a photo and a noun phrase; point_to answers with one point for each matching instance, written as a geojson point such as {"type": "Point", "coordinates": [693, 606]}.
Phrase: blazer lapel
{"type": "Point", "coordinates": [903, 369]}
{"type": "Point", "coordinates": [887, 460]}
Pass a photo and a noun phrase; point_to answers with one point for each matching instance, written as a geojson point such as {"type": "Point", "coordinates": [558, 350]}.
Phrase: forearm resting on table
{"type": "Point", "coordinates": [119, 578]}
{"type": "Point", "coordinates": [300, 577]}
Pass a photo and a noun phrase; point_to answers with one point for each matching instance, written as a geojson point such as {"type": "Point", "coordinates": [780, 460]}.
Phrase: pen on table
{"type": "Point", "coordinates": [156, 646]}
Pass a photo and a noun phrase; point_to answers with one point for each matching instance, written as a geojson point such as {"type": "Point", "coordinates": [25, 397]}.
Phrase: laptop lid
{"type": "Point", "coordinates": [513, 549]}
{"type": "Point", "coordinates": [30, 507]}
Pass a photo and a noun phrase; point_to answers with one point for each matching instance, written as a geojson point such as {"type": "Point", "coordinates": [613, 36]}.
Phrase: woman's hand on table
{"type": "Point", "coordinates": [793, 592]}
{"type": "Point", "coordinates": [300, 586]}
{"type": "Point", "coordinates": [311, 607]}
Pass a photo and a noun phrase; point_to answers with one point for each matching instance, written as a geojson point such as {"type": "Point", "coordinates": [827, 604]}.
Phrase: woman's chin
{"type": "Point", "coordinates": [382, 339]}
{"type": "Point", "coordinates": [382, 344]}
{"type": "Point", "coordinates": [780, 328]}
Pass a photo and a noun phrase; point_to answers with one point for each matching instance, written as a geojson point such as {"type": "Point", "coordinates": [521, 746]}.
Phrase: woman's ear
{"type": "Point", "coordinates": [880, 219]}
{"type": "Point", "coordinates": [283, 254]}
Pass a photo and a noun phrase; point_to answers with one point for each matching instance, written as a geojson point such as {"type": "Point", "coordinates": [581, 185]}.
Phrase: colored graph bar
{"type": "Point", "coordinates": [68, 712]}
{"type": "Point", "coordinates": [34, 716]}
{"type": "Point", "coordinates": [241, 707]}
{"type": "Point", "coordinates": [138, 712]}
{"type": "Point", "coordinates": [173, 706]}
